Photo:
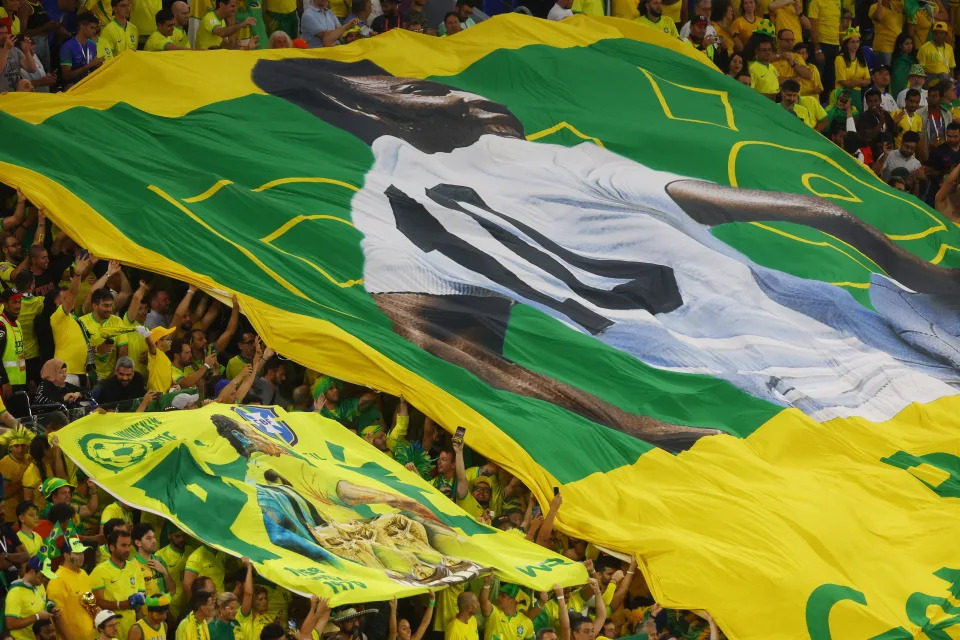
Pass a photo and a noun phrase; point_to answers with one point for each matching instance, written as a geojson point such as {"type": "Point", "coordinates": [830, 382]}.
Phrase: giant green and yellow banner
{"type": "Point", "coordinates": [732, 346]}
{"type": "Point", "coordinates": [316, 509]}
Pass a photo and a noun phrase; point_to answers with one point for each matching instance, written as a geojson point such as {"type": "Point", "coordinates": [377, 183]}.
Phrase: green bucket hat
{"type": "Point", "coordinates": [52, 484]}
{"type": "Point", "coordinates": [917, 70]}
{"type": "Point", "coordinates": [766, 28]}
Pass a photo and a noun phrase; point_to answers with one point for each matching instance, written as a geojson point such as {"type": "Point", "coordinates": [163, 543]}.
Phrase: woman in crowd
{"type": "Point", "coordinates": [721, 17]}
{"type": "Point", "coordinates": [401, 630]}
{"type": "Point", "coordinates": [54, 388]}
{"type": "Point", "coordinates": [744, 26]}
{"type": "Point", "coordinates": [735, 66]}
{"type": "Point", "coordinates": [850, 67]}
{"type": "Point", "coordinates": [904, 57]}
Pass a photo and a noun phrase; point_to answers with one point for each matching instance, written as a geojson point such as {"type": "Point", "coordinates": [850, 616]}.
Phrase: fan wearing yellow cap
{"type": "Point", "coordinates": [936, 56]}
{"type": "Point", "coordinates": [12, 467]}
{"type": "Point", "coordinates": [153, 625]}
{"type": "Point", "coordinates": [159, 367]}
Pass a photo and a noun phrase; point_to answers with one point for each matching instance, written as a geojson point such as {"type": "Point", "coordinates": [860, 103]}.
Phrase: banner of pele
{"type": "Point", "coordinates": [317, 509]}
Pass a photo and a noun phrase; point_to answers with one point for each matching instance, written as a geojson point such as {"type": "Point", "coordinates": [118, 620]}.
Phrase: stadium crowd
{"type": "Point", "coordinates": [77, 336]}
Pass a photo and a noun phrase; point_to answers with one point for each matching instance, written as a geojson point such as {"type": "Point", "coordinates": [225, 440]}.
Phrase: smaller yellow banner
{"type": "Point", "coordinates": [317, 509]}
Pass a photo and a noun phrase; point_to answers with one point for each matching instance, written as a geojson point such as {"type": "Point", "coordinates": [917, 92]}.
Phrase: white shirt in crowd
{"type": "Point", "coordinates": [896, 160]}
{"type": "Point", "coordinates": [902, 97]}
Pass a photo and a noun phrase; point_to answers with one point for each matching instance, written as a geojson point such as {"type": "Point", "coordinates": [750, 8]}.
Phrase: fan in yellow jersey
{"type": "Point", "coordinates": [213, 28]}
{"type": "Point", "coordinates": [202, 609]}
{"type": "Point", "coordinates": [181, 19]}
{"type": "Point", "coordinates": [907, 119]}
{"type": "Point", "coordinates": [26, 599]}
{"type": "Point", "coordinates": [153, 626]}
{"type": "Point", "coordinates": [30, 308]}
{"type": "Point", "coordinates": [108, 333]}
{"type": "Point", "coordinates": [159, 367]}
{"type": "Point", "coordinates": [29, 517]}
{"type": "Point", "coordinates": [156, 575]}
{"type": "Point", "coordinates": [118, 582]}
{"type": "Point", "coordinates": [134, 319]}
{"type": "Point", "coordinates": [759, 55]}
{"type": "Point", "coordinates": [652, 16]}
{"type": "Point", "coordinates": [252, 625]}
{"type": "Point", "coordinates": [205, 562]}
{"type": "Point", "coordinates": [67, 589]}
{"type": "Point", "coordinates": [116, 510]}
{"type": "Point", "coordinates": [463, 626]}
{"type": "Point", "coordinates": [69, 336]}
{"type": "Point", "coordinates": [163, 38]}
{"type": "Point", "coordinates": [504, 621]}
{"type": "Point", "coordinates": [119, 35]}
{"type": "Point", "coordinates": [174, 556]}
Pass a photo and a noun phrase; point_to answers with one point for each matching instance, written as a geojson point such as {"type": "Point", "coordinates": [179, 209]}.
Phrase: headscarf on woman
{"type": "Point", "coordinates": [54, 389]}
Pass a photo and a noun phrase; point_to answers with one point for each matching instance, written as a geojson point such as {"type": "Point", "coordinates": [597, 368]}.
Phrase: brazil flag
{"type": "Point", "coordinates": [732, 346]}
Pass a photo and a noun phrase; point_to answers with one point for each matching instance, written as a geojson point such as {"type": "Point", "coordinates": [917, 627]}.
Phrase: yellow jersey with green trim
{"type": "Point", "coordinates": [665, 24]}
{"type": "Point", "coordinates": [157, 42]}
{"type": "Point", "coordinates": [137, 349]}
{"type": "Point", "coordinates": [113, 327]}
{"type": "Point", "coordinates": [205, 562]}
{"type": "Point", "coordinates": [180, 37]}
{"type": "Point", "coordinates": [457, 630]}
{"type": "Point", "coordinates": [24, 601]}
{"type": "Point", "coordinates": [118, 38]}
{"type": "Point", "coordinates": [175, 562]}
{"type": "Point", "coordinates": [206, 38]}
{"type": "Point", "coordinates": [30, 308]}
{"type": "Point", "coordinates": [118, 584]}
{"type": "Point", "coordinates": [31, 543]}
{"type": "Point", "coordinates": [500, 626]}
{"type": "Point", "coordinates": [114, 510]}
{"type": "Point", "coordinates": [153, 581]}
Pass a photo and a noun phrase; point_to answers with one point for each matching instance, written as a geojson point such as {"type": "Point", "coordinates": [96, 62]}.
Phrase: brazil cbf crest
{"type": "Point", "coordinates": [266, 421]}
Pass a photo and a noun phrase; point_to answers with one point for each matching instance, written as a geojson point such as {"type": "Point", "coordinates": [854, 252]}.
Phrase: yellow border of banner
{"type": "Point", "coordinates": [225, 75]}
